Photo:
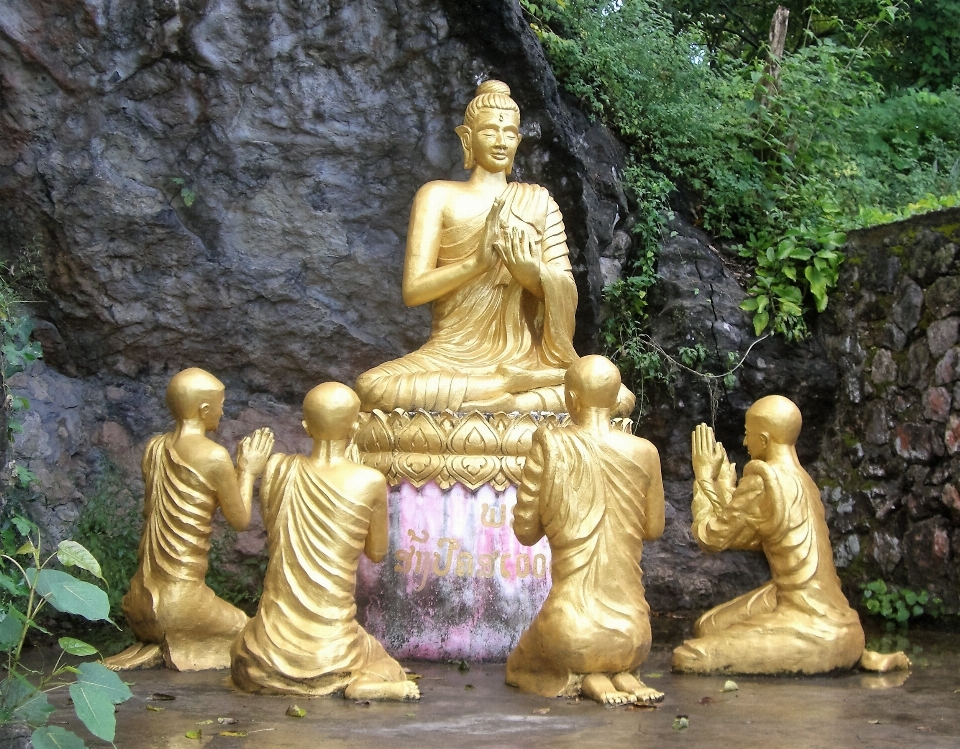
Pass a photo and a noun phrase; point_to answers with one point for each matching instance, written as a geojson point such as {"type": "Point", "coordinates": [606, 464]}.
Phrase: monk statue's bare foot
{"type": "Point", "coordinates": [599, 687]}
{"type": "Point", "coordinates": [364, 689]}
{"type": "Point", "coordinates": [520, 380]}
{"type": "Point", "coordinates": [627, 682]}
{"type": "Point", "coordinates": [138, 655]}
{"type": "Point", "coordinates": [884, 662]}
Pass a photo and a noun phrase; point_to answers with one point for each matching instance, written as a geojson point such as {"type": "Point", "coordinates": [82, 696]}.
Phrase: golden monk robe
{"type": "Point", "coordinates": [492, 258]}
{"type": "Point", "coordinates": [596, 494]}
{"type": "Point", "coordinates": [800, 621]}
{"type": "Point", "coordinates": [186, 477]}
{"type": "Point", "coordinates": [322, 512]}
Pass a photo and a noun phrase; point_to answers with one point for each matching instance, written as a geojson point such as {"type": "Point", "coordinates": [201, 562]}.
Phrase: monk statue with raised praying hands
{"type": "Point", "coordinates": [187, 476]}
{"type": "Point", "coordinates": [322, 511]}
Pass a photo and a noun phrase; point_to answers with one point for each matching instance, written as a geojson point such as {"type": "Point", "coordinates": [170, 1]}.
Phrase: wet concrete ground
{"type": "Point", "coordinates": [476, 709]}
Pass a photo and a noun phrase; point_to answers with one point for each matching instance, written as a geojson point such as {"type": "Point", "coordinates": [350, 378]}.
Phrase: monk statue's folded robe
{"type": "Point", "coordinates": [168, 602]}
{"type": "Point", "coordinates": [305, 638]}
{"type": "Point", "coordinates": [489, 321]}
{"type": "Point", "coordinates": [800, 621]}
{"type": "Point", "coordinates": [588, 500]}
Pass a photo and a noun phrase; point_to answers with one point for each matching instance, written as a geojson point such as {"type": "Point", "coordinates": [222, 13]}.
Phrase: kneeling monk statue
{"type": "Point", "coordinates": [800, 621]}
{"type": "Point", "coordinates": [322, 512]}
{"type": "Point", "coordinates": [597, 494]}
{"type": "Point", "coordinates": [492, 258]}
{"type": "Point", "coordinates": [187, 476]}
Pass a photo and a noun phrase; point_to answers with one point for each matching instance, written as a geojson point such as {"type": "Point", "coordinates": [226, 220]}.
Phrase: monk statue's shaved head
{"type": "Point", "coordinates": [779, 417]}
{"type": "Point", "coordinates": [330, 410]}
{"type": "Point", "coordinates": [595, 380]}
{"type": "Point", "coordinates": [189, 389]}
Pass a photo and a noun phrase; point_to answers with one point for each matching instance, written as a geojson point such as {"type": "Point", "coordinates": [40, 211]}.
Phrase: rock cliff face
{"type": "Point", "coordinates": [227, 183]}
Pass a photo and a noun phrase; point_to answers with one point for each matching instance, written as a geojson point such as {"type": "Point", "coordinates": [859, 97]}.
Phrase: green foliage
{"type": "Point", "coordinates": [899, 605]}
{"type": "Point", "coordinates": [237, 581]}
{"type": "Point", "coordinates": [109, 526]}
{"type": "Point", "coordinates": [187, 195]}
{"type": "Point", "coordinates": [30, 585]}
{"type": "Point", "coordinates": [778, 163]}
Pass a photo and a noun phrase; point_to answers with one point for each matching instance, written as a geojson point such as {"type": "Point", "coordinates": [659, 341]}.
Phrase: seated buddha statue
{"type": "Point", "coordinates": [491, 257]}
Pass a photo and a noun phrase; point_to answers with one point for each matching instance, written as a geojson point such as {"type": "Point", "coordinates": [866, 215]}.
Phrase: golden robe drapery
{"type": "Point", "coordinates": [305, 637]}
{"type": "Point", "coordinates": [490, 320]}
{"type": "Point", "coordinates": [588, 500]}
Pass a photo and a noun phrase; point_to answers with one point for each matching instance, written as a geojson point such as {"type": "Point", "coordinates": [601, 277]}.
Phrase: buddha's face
{"type": "Point", "coordinates": [494, 139]}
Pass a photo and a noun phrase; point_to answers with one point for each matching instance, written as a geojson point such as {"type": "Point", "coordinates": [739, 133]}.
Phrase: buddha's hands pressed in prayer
{"type": "Point", "coordinates": [254, 451]}
{"type": "Point", "coordinates": [492, 229]}
{"type": "Point", "coordinates": [709, 458]}
{"type": "Point", "coordinates": [522, 257]}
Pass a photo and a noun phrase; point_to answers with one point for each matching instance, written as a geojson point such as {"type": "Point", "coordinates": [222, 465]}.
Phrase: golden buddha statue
{"type": "Point", "coordinates": [322, 512]}
{"type": "Point", "coordinates": [597, 494]}
{"type": "Point", "coordinates": [174, 614]}
{"type": "Point", "coordinates": [800, 621]}
{"type": "Point", "coordinates": [492, 258]}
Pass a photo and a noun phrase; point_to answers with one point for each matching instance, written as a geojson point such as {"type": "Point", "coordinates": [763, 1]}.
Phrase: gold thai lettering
{"type": "Point", "coordinates": [503, 565]}
{"type": "Point", "coordinates": [522, 566]}
{"type": "Point", "coordinates": [415, 537]}
{"type": "Point", "coordinates": [404, 558]}
{"type": "Point", "coordinates": [422, 571]}
{"type": "Point", "coordinates": [539, 566]}
{"type": "Point", "coordinates": [464, 564]}
{"type": "Point", "coordinates": [493, 517]}
{"type": "Point", "coordinates": [452, 544]}
{"type": "Point", "coordinates": [486, 564]}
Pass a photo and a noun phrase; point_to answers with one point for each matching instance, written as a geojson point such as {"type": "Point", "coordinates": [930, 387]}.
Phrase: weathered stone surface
{"type": "Point", "coordinates": [905, 419]}
{"type": "Point", "coordinates": [883, 368]}
{"type": "Point", "coordinates": [943, 296]}
{"type": "Point", "coordinates": [936, 404]}
{"type": "Point", "coordinates": [942, 334]}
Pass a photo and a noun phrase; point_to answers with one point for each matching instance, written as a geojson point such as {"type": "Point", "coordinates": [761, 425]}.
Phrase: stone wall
{"type": "Point", "coordinates": [890, 462]}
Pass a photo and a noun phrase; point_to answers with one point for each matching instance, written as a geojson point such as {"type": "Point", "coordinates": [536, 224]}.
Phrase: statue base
{"type": "Point", "coordinates": [456, 584]}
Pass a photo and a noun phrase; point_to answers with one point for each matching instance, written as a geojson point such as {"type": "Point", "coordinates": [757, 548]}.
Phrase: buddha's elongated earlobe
{"type": "Point", "coordinates": [464, 132]}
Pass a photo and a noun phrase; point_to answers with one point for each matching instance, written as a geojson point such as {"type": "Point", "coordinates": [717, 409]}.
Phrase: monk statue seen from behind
{"type": "Point", "coordinates": [492, 259]}
{"type": "Point", "coordinates": [596, 494]}
{"type": "Point", "coordinates": [187, 477]}
{"type": "Point", "coordinates": [322, 512]}
{"type": "Point", "coordinates": [800, 621]}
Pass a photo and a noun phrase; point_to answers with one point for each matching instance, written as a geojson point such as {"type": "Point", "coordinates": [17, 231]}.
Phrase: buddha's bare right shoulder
{"type": "Point", "coordinates": [438, 192]}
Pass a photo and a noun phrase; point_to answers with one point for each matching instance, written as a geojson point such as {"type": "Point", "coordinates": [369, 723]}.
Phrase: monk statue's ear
{"type": "Point", "coordinates": [464, 132]}
{"type": "Point", "coordinates": [306, 428]}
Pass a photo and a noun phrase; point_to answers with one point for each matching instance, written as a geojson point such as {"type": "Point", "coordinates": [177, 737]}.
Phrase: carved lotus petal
{"type": "Point", "coordinates": [418, 468]}
{"type": "Point", "coordinates": [519, 436]}
{"type": "Point", "coordinates": [421, 435]}
{"type": "Point", "coordinates": [375, 434]}
{"type": "Point", "coordinates": [474, 436]}
{"type": "Point", "coordinates": [473, 471]}
{"type": "Point", "coordinates": [512, 469]}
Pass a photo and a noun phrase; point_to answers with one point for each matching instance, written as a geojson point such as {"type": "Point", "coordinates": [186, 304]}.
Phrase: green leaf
{"type": "Point", "coordinates": [21, 701]}
{"type": "Point", "coordinates": [95, 710]}
{"type": "Point", "coordinates": [54, 737]}
{"type": "Point", "coordinates": [26, 527]}
{"type": "Point", "coordinates": [69, 595]}
{"type": "Point", "coordinates": [76, 647]}
{"type": "Point", "coordinates": [760, 321]}
{"type": "Point", "coordinates": [11, 630]}
{"type": "Point", "coordinates": [94, 694]}
{"type": "Point", "coordinates": [188, 196]}
{"type": "Point", "coordinates": [98, 676]}
{"type": "Point", "coordinates": [72, 554]}
{"type": "Point", "coordinates": [27, 548]}
{"type": "Point", "coordinates": [749, 304]}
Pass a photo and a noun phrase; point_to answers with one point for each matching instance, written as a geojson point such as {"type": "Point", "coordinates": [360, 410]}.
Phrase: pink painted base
{"type": "Point", "coordinates": [456, 583]}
